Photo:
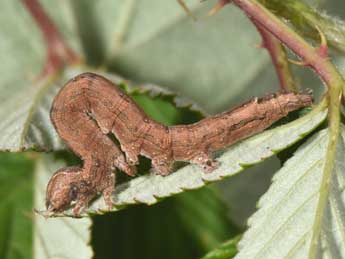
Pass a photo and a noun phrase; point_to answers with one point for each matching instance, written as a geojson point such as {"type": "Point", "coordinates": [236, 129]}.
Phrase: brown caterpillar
{"type": "Point", "coordinates": [89, 107]}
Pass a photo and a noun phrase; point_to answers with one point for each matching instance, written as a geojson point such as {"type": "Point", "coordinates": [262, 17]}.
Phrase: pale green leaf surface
{"type": "Point", "coordinates": [150, 188]}
{"type": "Point", "coordinates": [22, 53]}
{"type": "Point", "coordinates": [201, 58]}
{"type": "Point", "coordinates": [22, 49]}
{"type": "Point", "coordinates": [285, 222]}
{"type": "Point", "coordinates": [128, 18]}
{"type": "Point", "coordinates": [24, 120]}
{"type": "Point", "coordinates": [58, 237]}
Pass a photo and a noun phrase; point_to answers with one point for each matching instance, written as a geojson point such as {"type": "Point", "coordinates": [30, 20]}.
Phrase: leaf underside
{"type": "Point", "coordinates": [149, 189]}
{"type": "Point", "coordinates": [288, 213]}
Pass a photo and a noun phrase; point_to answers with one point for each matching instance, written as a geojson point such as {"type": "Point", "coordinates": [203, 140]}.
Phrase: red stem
{"type": "Point", "coordinates": [58, 52]}
{"type": "Point", "coordinates": [279, 58]}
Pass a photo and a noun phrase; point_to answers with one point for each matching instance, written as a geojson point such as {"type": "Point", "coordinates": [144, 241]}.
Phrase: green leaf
{"type": "Point", "coordinates": [289, 214]}
{"type": "Point", "coordinates": [226, 250]}
{"type": "Point", "coordinates": [58, 237]}
{"type": "Point", "coordinates": [25, 122]}
{"type": "Point", "coordinates": [15, 206]}
{"type": "Point", "coordinates": [151, 188]}
{"type": "Point", "coordinates": [192, 58]}
{"type": "Point", "coordinates": [183, 226]}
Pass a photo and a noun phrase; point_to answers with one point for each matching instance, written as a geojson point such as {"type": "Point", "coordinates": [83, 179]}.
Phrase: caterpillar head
{"type": "Point", "coordinates": [63, 188]}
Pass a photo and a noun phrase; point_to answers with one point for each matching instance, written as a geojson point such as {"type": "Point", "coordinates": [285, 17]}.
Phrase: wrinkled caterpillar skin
{"type": "Point", "coordinates": [195, 142]}
{"type": "Point", "coordinates": [89, 107]}
{"type": "Point", "coordinates": [140, 135]}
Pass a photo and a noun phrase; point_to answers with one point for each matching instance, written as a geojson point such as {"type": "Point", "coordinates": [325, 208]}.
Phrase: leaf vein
{"type": "Point", "coordinates": [278, 230]}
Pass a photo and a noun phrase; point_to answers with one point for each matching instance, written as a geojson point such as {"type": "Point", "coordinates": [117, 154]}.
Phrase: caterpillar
{"type": "Point", "coordinates": [90, 107]}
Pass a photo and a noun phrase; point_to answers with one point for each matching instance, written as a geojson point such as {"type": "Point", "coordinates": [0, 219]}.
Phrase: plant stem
{"type": "Point", "coordinates": [58, 53]}
{"type": "Point", "coordinates": [278, 57]}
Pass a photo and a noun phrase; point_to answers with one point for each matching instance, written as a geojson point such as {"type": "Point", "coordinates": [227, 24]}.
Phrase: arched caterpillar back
{"type": "Point", "coordinates": [89, 107]}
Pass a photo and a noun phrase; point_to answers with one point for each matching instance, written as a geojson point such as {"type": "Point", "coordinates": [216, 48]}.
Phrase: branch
{"type": "Point", "coordinates": [58, 53]}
